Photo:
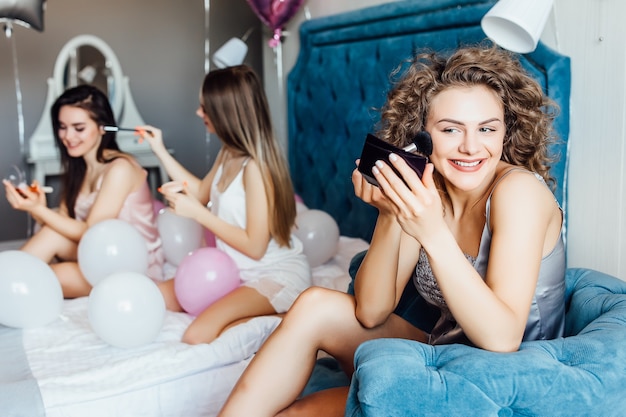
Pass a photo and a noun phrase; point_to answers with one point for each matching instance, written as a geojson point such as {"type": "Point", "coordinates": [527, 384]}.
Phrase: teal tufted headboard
{"type": "Point", "coordinates": [342, 76]}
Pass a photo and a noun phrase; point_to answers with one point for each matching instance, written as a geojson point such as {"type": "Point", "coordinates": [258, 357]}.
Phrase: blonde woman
{"type": "Point", "coordinates": [252, 207]}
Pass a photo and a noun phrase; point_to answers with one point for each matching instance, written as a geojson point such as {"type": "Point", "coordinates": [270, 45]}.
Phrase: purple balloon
{"type": "Point", "coordinates": [275, 13]}
{"type": "Point", "coordinates": [203, 277]}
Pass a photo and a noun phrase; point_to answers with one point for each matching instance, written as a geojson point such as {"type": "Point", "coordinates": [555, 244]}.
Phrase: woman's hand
{"type": "Point", "coordinates": [180, 201]}
{"type": "Point", "coordinates": [154, 138]}
{"type": "Point", "coordinates": [370, 193]}
{"type": "Point", "coordinates": [417, 207]}
{"type": "Point", "coordinates": [27, 199]}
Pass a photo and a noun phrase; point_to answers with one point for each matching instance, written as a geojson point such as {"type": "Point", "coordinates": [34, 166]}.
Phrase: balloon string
{"type": "Point", "coordinates": [18, 95]}
{"type": "Point", "coordinates": [207, 44]}
{"type": "Point", "coordinates": [278, 51]}
{"type": "Point", "coordinates": [207, 68]}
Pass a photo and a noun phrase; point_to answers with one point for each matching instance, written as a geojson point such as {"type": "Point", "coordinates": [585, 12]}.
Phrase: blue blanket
{"type": "Point", "coordinates": [19, 392]}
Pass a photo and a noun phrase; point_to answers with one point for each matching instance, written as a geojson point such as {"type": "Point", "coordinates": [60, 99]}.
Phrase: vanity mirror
{"type": "Point", "coordinates": [87, 59]}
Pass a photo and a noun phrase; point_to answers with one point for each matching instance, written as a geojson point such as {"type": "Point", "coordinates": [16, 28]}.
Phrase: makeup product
{"type": "Point", "coordinates": [41, 188]}
{"type": "Point", "coordinates": [17, 178]}
{"type": "Point", "coordinates": [375, 149]}
{"type": "Point", "coordinates": [124, 129]}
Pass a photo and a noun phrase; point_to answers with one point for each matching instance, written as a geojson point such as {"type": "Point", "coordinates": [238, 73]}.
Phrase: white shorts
{"type": "Point", "coordinates": [282, 283]}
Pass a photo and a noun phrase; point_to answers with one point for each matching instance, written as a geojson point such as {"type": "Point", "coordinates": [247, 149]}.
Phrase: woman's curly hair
{"type": "Point", "coordinates": [528, 112]}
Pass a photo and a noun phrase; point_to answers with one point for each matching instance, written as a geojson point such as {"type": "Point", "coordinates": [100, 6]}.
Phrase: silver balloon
{"type": "Point", "coordinates": [27, 13]}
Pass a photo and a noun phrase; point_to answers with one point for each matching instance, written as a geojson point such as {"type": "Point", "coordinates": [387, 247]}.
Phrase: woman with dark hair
{"type": "Point", "coordinates": [252, 208]}
{"type": "Point", "coordinates": [99, 182]}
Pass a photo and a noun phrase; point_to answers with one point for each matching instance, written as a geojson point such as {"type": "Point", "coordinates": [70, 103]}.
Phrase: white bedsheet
{"type": "Point", "coordinates": [80, 375]}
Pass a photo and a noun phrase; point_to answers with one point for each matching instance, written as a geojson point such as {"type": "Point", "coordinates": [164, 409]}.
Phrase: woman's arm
{"type": "Point", "coordinates": [251, 241]}
{"type": "Point", "coordinates": [388, 264]}
{"type": "Point", "coordinates": [174, 169]}
{"type": "Point", "coordinates": [493, 312]}
{"type": "Point", "coordinates": [34, 203]}
{"type": "Point", "coordinates": [121, 177]}
{"type": "Point", "coordinates": [525, 225]}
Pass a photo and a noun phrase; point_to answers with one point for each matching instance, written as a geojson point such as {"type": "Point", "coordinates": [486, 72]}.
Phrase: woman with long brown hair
{"type": "Point", "coordinates": [251, 203]}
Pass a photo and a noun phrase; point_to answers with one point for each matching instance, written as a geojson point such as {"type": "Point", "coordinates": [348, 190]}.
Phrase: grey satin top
{"type": "Point", "coordinates": [546, 319]}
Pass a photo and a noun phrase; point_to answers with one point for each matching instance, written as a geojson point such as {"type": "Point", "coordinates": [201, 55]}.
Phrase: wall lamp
{"type": "Point", "coordinates": [233, 52]}
{"type": "Point", "coordinates": [517, 25]}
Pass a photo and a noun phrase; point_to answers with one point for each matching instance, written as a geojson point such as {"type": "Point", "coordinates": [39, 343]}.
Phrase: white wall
{"type": "Point", "coordinates": [593, 34]}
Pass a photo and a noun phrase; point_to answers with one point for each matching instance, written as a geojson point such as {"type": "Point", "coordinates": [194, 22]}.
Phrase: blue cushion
{"type": "Point", "coordinates": [582, 374]}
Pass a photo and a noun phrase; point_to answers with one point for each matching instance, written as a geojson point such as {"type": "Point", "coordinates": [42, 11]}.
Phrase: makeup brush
{"type": "Point", "coordinates": [123, 129]}
{"type": "Point", "coordinates": [422, 144]}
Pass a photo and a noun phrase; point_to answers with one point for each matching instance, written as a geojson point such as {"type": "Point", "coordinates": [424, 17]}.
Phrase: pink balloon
{"type": "Point", "coordinates": [203, 277]}
{"type": "Point", "coordinates": [209, 238]}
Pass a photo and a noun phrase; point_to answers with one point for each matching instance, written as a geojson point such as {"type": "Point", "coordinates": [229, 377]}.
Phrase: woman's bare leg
{"type": "Point", "coordinates": [73, 283]}
{"type": "Point", "coordinates": [244, 302]}
{"type": "Point", "coordinates": [328, 403]}
{"type": "Point", "coordinates": [169, 295]}
{"type": "Point", "coordinates": [49, 245]}
{"type": "Point", "coordinates": [319, 319]}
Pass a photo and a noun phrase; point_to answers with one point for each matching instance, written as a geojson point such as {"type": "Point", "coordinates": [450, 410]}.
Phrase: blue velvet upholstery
{"type": "Point", "coordinates": [342, 77]}
{"type": "Point", "coordinates": [582, 374]}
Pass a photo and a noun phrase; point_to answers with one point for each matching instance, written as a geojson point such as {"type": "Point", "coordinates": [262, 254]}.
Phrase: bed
{"type": "Point", "coordinates": [65, 370]}
{"type": "Point", "coordinates": [340, 78]}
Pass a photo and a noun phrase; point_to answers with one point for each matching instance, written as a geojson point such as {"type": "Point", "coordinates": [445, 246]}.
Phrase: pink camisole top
{"type": "Point", "coordinates": [137, 210]}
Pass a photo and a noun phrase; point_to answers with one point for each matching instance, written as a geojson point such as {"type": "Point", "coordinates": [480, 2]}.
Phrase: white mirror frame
{"type": "Point", "coordinates": [111, 61]}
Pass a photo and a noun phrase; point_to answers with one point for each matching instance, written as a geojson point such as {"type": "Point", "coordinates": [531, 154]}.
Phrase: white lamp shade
{"type": "Point", "coordinates": [516, 25]}
{"type": "Point", "coordinates": [87, 74]}
{"type": "Point", "coordinates": [231, 53]}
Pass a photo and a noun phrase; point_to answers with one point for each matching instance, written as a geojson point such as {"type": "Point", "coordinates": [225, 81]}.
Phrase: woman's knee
{"type": "Point", "coordinates": [321, 303]}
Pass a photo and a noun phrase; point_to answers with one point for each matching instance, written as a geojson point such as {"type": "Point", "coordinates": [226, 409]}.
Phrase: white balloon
{"type": "Point", "coordinates": [30, 293]}
{"type": "Point", "coordinates": [319, 234]}
{"type": "Point", "coordinates": [111, 246]}
{"type": "Point", "coordinates": [179, 235]}
{"type": "Point", "coordinates": [300, 207]}
{"type": "Point", "coordinates": [126, 310]}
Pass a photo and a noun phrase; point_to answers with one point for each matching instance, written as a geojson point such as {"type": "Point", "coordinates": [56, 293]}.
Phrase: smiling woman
{"type": "Point", "coordinates": [478, 235]}
{"type": "Point", "coordinates": [99, 182]}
